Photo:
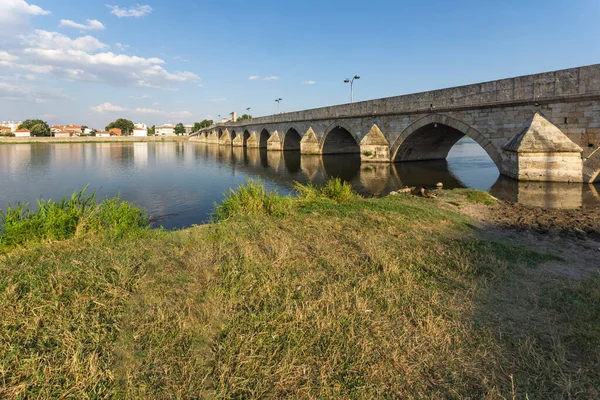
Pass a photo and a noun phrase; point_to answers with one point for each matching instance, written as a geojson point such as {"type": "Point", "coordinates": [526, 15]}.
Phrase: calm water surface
{"type": "Point", "coordinates": [179, 182]}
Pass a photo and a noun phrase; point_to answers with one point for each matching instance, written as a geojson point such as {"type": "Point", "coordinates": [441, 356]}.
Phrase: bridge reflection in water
{"type": "Point", "coordinates": [466, 166]}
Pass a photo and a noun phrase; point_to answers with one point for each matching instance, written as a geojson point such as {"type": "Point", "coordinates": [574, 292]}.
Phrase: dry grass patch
{"type": "Point", "coordinates": [388, 298]}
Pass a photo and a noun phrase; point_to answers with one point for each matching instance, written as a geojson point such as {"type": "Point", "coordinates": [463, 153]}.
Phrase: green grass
{"type": "Point", "coordinates": [64, 219]}
{"type": "Point", "coordinates": [357, 298]}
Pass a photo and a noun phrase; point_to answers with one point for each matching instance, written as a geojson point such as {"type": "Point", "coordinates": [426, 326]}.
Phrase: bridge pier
{"type": "Point", "coordinates": [541, 152]}
{"type": "Point", "coordinates": [309, 143]}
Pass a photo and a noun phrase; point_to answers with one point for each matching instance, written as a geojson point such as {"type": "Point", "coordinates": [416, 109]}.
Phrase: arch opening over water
{"type": "Point", "coordinates": [292, 140]}
{"type": "Point", "coordinates": [264, 136]}
{"type": "Point", "coordinates": [340, 141]}
{"type": "Point", "coordinates": [245, 138]}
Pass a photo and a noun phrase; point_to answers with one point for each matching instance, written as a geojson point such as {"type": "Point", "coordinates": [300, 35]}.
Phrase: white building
{"type": "Point", "coordinates": [165, 130]}
{"type": "Point", "coordinates": [140, 131]}
{"type": "Point", "coordinates": [102, 134]}
{"type": "Point", "coordinates": [188, 129]}
{"type": "Point", "coordinates": [141, 126]}
{"type": "Point", "coordinates": [22, 133]}
{"type": "Point", "coordinates": [87, 131]}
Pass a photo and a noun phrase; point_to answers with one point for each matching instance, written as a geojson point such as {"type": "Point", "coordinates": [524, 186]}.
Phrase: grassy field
{"type": "Point", "coordinates": [327, 295]}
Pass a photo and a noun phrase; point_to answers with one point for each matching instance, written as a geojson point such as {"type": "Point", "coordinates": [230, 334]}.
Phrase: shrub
{"type": "Point", "coordinates": [335, 189]}
{"type": "Point", "coordinates": [251, 199]}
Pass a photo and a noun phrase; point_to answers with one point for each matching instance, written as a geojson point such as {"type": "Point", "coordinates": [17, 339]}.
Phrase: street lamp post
{"type": "Point", "coordinates": [351, 82]}
{"type": "Point", "coordinates": [278, 100]}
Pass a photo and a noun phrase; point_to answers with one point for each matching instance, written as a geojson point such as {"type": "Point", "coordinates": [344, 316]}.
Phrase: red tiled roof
{"type": "Point", "coordinates": [22, 130]}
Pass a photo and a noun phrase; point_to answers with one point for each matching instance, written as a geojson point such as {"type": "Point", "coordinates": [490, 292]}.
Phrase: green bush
{"type": "Point", "coordinates": [64, 219]}
{"type": "Point", "coordinates": [252, 199]}
{"type": "Point", "coordinates": [335, 189]}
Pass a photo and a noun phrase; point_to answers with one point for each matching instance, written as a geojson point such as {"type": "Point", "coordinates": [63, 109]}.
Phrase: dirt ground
{"type": "Point", "coordinates": [572, 235]}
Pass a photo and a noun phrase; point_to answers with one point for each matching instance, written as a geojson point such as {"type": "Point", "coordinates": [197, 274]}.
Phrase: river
{"type": "Point", "coordinates": [179, 182]}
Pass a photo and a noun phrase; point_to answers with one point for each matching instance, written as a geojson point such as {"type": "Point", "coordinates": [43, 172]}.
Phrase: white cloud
{"type": "Point", "coordinates": [271, 78]}
{"type": "Point", "coordinates": [107, 107]}
{"type": "Point", "coordinates": [5, 57]}
{"type": "Point", "coordinates": [136, 12]}
{"type": "Point", "coordinates": [55, 42]}
{"type": "Point", "coordinates": [253, 77]}
{"type": "Point", "coordinates": [92, 25]}
{"type": "Point", "coordinates": [121, 46]}
{"type": "Point", "coordinates": [147, 111]}
{"type": "Point", "coordinates": [23, 92]}
{"type": "Point", "coordinates": [15, 15]}
{"type": "Point", "coordinates": [180, 114]}
{"type": "Point", "coordinates": [156, 104]}
{"type": "Point", "coordinates": [144, 96]}
{"type": "Point", "coordinates": [82, 59]}
{"type": "Point", "coordinates": [309, 82]}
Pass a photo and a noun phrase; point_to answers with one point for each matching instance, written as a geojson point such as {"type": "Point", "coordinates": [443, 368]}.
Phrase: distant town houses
{"type": "Point", "coordinates": [140, 130]}
{"type": "Point", "coordinates": [61, 131]}
{"type": "Point", "coordinates": [115, 132]}
{"type": "Point", "coordinates": [9, 126]}
{"type": "Point", "coordinates": [66, 130]}
{"type": "Point", "coordinates": [165, 130]}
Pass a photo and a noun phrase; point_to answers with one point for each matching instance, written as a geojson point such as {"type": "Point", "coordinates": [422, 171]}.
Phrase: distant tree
{"type": "Point", "coordinates": [244, 117]}
{"type": "Point", "coordinates": [83, 128]}
{"type": "Point", "coordinates": [206, 123]}
{"type": "Point", "coordinates": [125, 125]}
{"type": "Point", "coordinates": [152, 130]}
{"type": "Point", "coordinates": [42, 130]}
{"type": "Point", "coordinates": [93, 132]}
{"type": "Point", "coordinates": [179, 129]}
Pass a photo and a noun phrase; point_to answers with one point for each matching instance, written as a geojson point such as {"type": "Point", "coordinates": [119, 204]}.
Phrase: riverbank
{"type": "Point", "coordinates": [326, 295]}
{"type": "Point", "coordinates": [91, 139]}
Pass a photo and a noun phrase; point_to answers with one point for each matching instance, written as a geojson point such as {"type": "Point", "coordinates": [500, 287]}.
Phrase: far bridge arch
{"type": "Point", "coordinates": [339, 140]}
{"type": "Point", "coordinates": [263, 138]}
{"type": "Point", "coordinates": [433, 136]}
{"type": "Point", "coordinates": [291, 140]}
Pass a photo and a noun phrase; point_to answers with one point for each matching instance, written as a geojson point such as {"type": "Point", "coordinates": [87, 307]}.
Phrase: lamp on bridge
{"type": "Point", "coordinates": [278, 100]}
{"type": "Point", "coordinates": [351, 82]}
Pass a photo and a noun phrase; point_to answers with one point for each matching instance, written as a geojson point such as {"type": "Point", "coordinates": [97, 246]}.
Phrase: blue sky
{"type": "Point", "coordinates": [175, 61]}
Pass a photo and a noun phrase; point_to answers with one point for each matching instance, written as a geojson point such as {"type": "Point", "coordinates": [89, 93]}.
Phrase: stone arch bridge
{"type": "Point", "coordinates": [542, 127]}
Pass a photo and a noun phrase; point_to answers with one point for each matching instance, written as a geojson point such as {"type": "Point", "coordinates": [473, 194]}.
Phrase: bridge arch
{"type": "Point", "coordinates": [432, 137]}
{"type": "Point", "coordinates": [291, 139]}
{"type": "Point", "coordinates": [263, 137]}
{"type": "Point", "coordinates": [339, 139]}
{"type": "Point", "coordinates": [245, 138]}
